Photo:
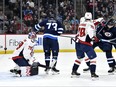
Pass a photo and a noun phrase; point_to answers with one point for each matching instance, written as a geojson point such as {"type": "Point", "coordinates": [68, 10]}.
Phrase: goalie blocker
{"type": "Point", "coordinates": [35, 68]}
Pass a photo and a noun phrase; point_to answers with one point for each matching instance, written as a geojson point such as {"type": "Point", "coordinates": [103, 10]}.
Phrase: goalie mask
{"type": "Point", "coordinates": [32, 36]}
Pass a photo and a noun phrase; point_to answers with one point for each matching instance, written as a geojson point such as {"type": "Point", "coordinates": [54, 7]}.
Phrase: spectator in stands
{"type": "Point", "coordinates": [67, 25]}
{"type": "Point", "coordinates": [16, 9]}
{"type": "Point", "coordinates": [65, 9]}
{"type": "Point", "coordinates": [28, 18]}
{"type": "Point", "coordinates": [12, 4]}
{"type": "Point", "coordinates": [30, 3]}
{"type": "Point", "coordinates": [104, 12]}
{"type": "Point", "coordinates": [110, 8]}
{"type": "Point", "coordinates": [74, 25]}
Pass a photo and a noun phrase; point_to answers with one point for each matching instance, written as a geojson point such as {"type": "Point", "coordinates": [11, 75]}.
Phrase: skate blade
{"type": "Point", "coordinates": [75, 76]}
{"type": "Point", "coordinates": [85, 71]}
{"type": "Point", "coordinates": [47, 72]}
{"type": "Point", "coordinates": [16, 75]}
{"type": "Point", "coordinates": [111, 73]}
{"type": "Point", "coordinates": [94, 78]}
{"type": "Point", "coordinates": [55, 73]}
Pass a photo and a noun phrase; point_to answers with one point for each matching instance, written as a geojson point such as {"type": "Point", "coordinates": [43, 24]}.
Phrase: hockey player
{"type": "Point", "coordinates": [107, 33]}
{"type": "Point", "coordinates": [86, 33]}
{"type": "Point", "coordinates": [23, 56]}
{"type": "Point", "coordinates": [52, 29]}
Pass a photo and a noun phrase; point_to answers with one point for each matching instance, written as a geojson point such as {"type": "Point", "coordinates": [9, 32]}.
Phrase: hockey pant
{"type": "Point", "coordinates": [25, 67]}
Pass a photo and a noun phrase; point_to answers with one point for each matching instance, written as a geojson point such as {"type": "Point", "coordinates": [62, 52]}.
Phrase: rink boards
{"type": "Point", "coordinates": [8, 43]}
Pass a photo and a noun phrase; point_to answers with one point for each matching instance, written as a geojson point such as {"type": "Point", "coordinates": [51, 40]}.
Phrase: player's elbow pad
{"type": "Point", "coordinates": [36, 28]}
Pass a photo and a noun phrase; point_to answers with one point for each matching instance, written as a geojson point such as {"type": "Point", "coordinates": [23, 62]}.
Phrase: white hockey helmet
{"type": "Point", "coordinates": [82, 19]}
{"type": "Point", "coordinates": [88, 15]}
{"type": "Point", "coordinates": [32, 35]}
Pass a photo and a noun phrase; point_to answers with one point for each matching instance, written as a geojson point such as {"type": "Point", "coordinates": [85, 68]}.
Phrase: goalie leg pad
{"type": "Point", "coordinates": [34, 70]}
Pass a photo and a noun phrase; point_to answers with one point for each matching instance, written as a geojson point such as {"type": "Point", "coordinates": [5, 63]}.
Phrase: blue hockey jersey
{"type": "Point", "coordinates": [107, 33]}
{"type": "Point", "coordinates": [52, 28]}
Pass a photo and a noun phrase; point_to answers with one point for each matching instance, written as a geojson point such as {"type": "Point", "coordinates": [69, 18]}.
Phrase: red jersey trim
{"type": "Point", "coordinates": [86, 43]}
{"type": "Point", "coordinates": [16, 57]}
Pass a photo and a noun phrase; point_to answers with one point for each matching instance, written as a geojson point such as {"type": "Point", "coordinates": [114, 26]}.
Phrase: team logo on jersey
{"type": "Point", "coordinates": [108, 34]}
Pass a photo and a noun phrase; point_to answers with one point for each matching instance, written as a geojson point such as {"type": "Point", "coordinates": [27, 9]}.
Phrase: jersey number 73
{"type": "Point", "coordinates": [54, 25]}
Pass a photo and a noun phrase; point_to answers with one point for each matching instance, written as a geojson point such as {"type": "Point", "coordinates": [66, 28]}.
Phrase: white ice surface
{"type": "Point", "coordinates": [65, 63]}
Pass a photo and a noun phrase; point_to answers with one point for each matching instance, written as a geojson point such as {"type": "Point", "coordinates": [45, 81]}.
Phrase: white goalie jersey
{"type": "Point", "coordinates": [25, 49]}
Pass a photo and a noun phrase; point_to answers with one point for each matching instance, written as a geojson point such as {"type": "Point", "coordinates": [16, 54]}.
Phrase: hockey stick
{"type": "Point", "coordinates": [106, 23]}
{"type": "Point", "coordinates": [72, 38]}
{"type": "Point", "coordinates": [44, 66]}
{"type": "Point", "coordinates": [109, 41]}
{"type": "Point", "coordinates": [40, 65]}
{"type": "Point", "coordinates": [67, 36]}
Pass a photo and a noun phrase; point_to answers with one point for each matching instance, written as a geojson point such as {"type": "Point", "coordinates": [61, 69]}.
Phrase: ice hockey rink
{"type": "Point", "coordinates": [65, 63]}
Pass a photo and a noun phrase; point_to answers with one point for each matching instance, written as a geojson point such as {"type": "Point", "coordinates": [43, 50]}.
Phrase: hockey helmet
{"type": "Point", "coordinates": [88, 15]}
{"type": "Point", "coordinates": [111, 23]}
{"type": "Point", "coordinates": [32, 35]}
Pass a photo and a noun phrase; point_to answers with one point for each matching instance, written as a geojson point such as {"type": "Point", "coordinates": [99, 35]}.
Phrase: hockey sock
{"type": "Point", "coordinates": [76, 65]}
{"type": "Point", "coordinates": [47, 61]}
{"type": "Point", "coordinates": [53, 63]}
{"type": "Point", "coordinates": [87, 60]}
{"type": "Point", "coordinates": [111, 62]}
{"type": "Point", "coordinates": [93, 65]}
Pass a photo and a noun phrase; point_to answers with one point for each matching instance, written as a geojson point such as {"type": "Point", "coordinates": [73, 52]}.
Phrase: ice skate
{"type": "Point", "coordinates": [47, 70]}
{"type": "Point", "coordinates": [115, 67]}
{"type": "Point", "coordinates": [55, 71]}
{"type": "Point", "coordinates": [94, 76]}
{"type": "Point", "coordinates": [75, 74]}
{"type": "Point", "coordinates": [16, 72]}
{"type": "Point", "coordinates": [111, 71]}
{"type": "Point", "coordinates": [12, 70]}
{"type": "Point", "coordinates": [86, 69]}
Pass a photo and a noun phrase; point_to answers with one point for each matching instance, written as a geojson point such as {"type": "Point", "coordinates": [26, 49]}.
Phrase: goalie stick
{"type": "Point", "coordinates": [44, 66]}
{"type": "Point", "coordinates": [40, 65]}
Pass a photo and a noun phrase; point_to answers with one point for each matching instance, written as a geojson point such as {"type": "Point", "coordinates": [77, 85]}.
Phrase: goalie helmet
{"type": "Point", "coordinates": [88, 15]}
{"type": "Point", "coordinates": [32, 35]}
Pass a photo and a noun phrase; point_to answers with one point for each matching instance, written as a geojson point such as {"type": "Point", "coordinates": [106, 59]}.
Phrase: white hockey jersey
{"type": "Point", "coordinates": [25, 49]}
{"type": "Point", "coordinates": [86, 31]}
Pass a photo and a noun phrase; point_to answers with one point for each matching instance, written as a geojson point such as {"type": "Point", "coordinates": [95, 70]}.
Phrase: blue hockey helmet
{"type": "Point", "coordinates": [111, 22]}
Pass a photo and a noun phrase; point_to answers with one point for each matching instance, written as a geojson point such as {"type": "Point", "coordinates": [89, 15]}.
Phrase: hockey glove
{"type": "Point", "coordinates": [95, 39]}
{"type": "Point", "coordinates": [31, 60]}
